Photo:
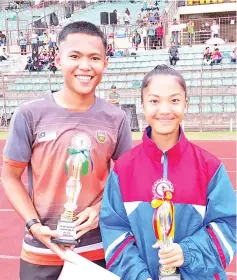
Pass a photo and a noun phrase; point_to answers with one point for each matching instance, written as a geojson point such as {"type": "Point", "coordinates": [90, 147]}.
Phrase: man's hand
{"type": "Point", "coordinates": [87, 220]}
{"type": "Point", "coordinates": [172, 257]}
{"type": "Point", "coordinates": [44, 234]}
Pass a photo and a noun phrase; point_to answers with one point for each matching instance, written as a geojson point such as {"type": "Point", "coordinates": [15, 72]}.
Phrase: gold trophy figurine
{"type": "Point", "coordinates": [65, 227]}
{"type": "Point", "coordinates": [163, 223]}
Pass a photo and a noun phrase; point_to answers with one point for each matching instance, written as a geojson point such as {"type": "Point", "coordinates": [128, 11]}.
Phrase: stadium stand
{"type": "Point", "coordinates": [211, 89]}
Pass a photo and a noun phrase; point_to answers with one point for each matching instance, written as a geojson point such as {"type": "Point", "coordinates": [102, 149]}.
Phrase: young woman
{"type": "Point", "coordinates": [167, 167]}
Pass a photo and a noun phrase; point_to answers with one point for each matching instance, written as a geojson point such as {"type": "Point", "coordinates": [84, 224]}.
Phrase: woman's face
{"type": "Point", "coordinates": [164, 104]}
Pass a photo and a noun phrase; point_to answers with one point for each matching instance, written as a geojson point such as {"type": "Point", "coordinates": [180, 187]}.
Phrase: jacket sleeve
{"type": "Point", "coordinates": [121, 254]}
{"type": "Point", "coordinates": [212, 248]}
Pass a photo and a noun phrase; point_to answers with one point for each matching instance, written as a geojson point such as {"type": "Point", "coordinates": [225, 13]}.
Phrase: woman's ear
{"type": "Point", "coordinates": [186, 102]}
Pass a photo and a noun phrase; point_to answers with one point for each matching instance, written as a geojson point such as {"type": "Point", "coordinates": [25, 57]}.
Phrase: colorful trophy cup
{"type": "Point", "coordinates": [164, 224]}
{"type": "Point", "coordinates": [77, 165]}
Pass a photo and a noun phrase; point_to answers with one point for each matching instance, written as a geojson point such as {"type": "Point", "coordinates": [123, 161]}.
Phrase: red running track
{"type": "Point", "coordinates": [11, 226]}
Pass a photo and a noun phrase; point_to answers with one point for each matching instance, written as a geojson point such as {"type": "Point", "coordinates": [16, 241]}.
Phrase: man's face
{"type": "Point", "coordinates": [82, 60]}
{"type": "Point", "coordinates": [114, 90]}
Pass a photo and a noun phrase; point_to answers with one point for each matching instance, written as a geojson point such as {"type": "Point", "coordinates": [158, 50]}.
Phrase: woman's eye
{"type": "Point", "coordinates": [153, 101]}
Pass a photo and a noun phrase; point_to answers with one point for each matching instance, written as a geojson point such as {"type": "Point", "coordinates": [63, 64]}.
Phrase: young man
{"type": "Point", "coordinates": [43, 129]}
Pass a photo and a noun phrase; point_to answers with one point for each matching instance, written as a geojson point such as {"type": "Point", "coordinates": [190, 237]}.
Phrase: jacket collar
{"type": "Point", "coordinates": [156, 154]}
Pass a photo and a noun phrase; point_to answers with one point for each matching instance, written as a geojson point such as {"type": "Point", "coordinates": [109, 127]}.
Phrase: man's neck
{"type": "Point", "coordinates": [74, 101]}
{"type": "Point", "coordinates": [165, 142]}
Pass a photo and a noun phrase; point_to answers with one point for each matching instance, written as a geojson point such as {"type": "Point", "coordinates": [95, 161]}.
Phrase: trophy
{"type": "Point", "coordinates": [164, 224]}
{"type": "Point", "coordinates": [77, 165]}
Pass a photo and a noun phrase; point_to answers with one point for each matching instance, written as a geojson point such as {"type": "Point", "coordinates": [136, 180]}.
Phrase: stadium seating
{"type": "Point", "coordinates": [92, 13]}
{"type": "Point", "coordinates": [217, 82]}
{"type": "Point", "coordinates": [25, 17]}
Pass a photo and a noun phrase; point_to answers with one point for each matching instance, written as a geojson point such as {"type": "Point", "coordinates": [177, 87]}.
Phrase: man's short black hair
{"type": "Point", "coordinates": [82, 27]}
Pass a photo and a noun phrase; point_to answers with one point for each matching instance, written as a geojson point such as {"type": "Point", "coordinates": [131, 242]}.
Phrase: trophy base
{"type": "Point", "coordinates": [66, 233]}
{"type": "Point", "coordinates": [64, 241]}
{"type": "Point", "coordinates": [173, 276]}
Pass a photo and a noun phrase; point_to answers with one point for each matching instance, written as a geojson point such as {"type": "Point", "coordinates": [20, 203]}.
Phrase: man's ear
{"type": "Point", "coordinates": [58, 61]}
{"type": "Point", "coordinates": [106, 63]}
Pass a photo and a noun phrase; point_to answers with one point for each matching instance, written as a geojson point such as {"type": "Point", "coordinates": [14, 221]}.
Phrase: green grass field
{"type": "Point", "coordinates": [217, 135]}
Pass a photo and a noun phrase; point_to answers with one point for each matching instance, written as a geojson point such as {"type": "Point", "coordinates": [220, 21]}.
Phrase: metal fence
{"type": "Point", "coordinates": [211, 107]}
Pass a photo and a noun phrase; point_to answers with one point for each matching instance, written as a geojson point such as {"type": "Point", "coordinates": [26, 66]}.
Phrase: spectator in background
{"type": "Point", "coordinates": [127, 12]}
{"type": "Point", "coordinates": [152, 19]}
{"type": "Point", "coordinates": [51, 56]}
{"type": "Point", "coordinates": [173, 54]}
{"type": "Point", "coordinates": [190, 26]}
{"type": "Point", "coordinates": [2, 39]}
{"type": "Point", "coordinates": [231, 39]}
{"type": "Point", "coordinates": [139, 19]}
{"type": "Point", "coordinates": [126, 18]}
{"type": "Point", "coordinates": [44, 57]}
{"type": "Point", "coordinates": [29, 63]}
{"type": "Point", "coordinates": [151, 35]}
{"type": "Point", "coordinates": [215, 29]}
{"type": "Point", "coordinates": [110, 50]}
{"type": "Point", "coordinates": [203, 33]}
{"type": "Point", "coordinates": [175, 33]}
{"type": "Point", "coordinates": [144, 35]}
{"type": "Point", "coordinates": [52, 39]}
{"type": "Point", "coordinates": [207, 56]}
{"type": "Point", "coordinates": [233, 55]}
{"type": "Point", "coordinates": [157, 15]}
{"type": "Point", "coordinates": [22, 43]}
{"type": "Point", "coordinates": [216, 56]}
{"type": "Point", "coordinates": [137, 39]}
{"type": "Point", "coordinates": [52, 67]}
{"type": "Point", "coordinates": [43, 39]}
{"type": "Point", "coordinates": [34, 40]}
{"type": "Point", "coordinates": [114, 96]}
{"type": "Point", "coordinates": [3, 54]}
{"type": "Point", "coordinates": [160, 33]}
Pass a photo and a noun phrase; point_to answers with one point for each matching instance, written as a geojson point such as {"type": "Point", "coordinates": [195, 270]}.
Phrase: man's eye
{"type": "Point", "coordinates": [95, 58]}
{"type": "Point", "coordinates": [175, 100]}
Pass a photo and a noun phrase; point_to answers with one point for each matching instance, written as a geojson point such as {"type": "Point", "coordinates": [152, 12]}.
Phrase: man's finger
{"type": "Point", "coordinates": [82, 217]}
{"type": "Point", "coordinates": [82, 232]}
{"type": "Point", "coordinates": [56, 249]}
{"type": "Point", "coordinates": [47, 231]}
{"type": "Point", "coordinates": [90, 223]}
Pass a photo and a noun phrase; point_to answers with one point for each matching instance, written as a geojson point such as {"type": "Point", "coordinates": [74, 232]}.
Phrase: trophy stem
{"type": "Point", "coordinates": [68, 216]}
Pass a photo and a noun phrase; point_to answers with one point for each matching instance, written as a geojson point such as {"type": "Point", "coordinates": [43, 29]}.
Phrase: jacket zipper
{"type": "Point", "coordinates": [164, 161]}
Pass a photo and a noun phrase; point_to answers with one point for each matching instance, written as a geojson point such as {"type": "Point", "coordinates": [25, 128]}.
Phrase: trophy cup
{"type": "Point", "coordinates": [79, 162]}
{"type": "Point", "coordinates": [163, 223]}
